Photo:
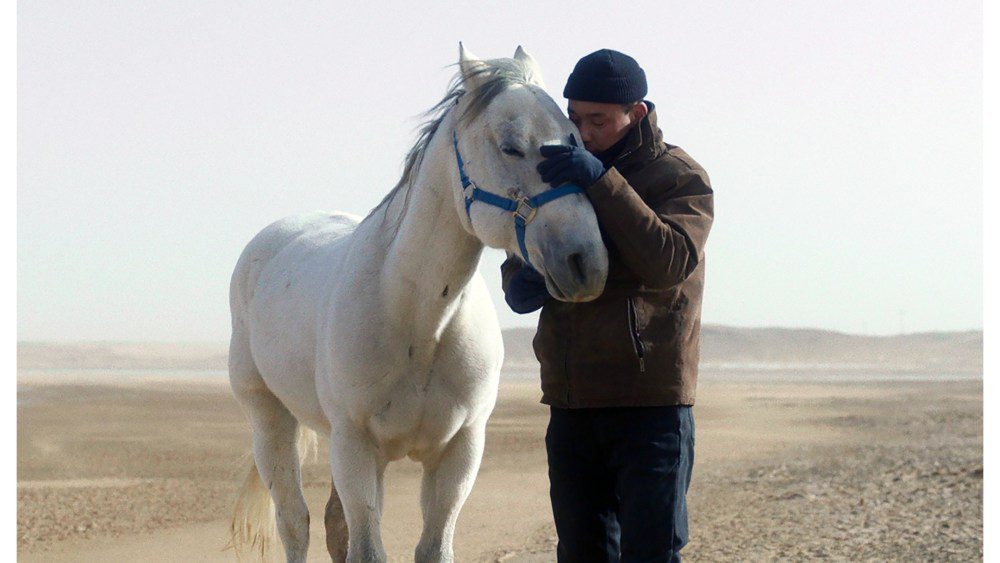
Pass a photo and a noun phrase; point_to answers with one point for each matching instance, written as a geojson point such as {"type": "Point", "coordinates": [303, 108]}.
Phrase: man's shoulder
{"type": "Point", "coordinates": [679, 160]}
{"type": "Point", "coordinates": [672, 168]}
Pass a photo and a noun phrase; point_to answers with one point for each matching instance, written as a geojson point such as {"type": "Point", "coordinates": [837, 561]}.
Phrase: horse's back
{"type": "Point", "coordinates": [277, 289]}
{"type": "Point", "coordinates": [269, 242]}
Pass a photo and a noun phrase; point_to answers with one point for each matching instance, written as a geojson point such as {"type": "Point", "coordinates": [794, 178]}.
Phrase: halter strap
{"type": "Point", "coordinates": [523, 208]}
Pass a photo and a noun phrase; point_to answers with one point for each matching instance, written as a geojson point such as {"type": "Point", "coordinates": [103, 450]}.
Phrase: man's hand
{"type": "Point", "coordinates": [527, 291]}
{"type": "Point", "coordinates": [569, 164]}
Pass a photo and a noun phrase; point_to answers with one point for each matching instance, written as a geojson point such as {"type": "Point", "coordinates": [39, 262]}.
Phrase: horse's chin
{"type": "Point", "coordinates": [583, 298]}
{"type": "Point", "coordinates": [577, 295]}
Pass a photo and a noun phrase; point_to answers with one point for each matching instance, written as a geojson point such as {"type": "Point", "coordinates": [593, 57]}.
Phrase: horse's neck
{"type": "Point", "coordinates": [432, 257]}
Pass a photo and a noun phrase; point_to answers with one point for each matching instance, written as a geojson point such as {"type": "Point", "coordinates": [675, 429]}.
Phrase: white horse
{"type": "Point", "coordinates": [380, 333]}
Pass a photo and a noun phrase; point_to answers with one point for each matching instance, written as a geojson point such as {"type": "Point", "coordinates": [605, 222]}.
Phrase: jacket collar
{"type": "Point", "coordinates": [644, 141]}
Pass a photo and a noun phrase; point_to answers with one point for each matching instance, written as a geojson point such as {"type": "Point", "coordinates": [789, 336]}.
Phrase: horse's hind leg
{"type": "Point", "coordinates": [336, 527]}
{"type": "Point", "coordinates": [275, 433]}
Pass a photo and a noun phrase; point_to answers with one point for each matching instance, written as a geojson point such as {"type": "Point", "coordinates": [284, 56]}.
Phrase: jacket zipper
{"type": "Point", "coordinates": [621, 156]}
{"type": "Point", "coordinates": [633, 326]}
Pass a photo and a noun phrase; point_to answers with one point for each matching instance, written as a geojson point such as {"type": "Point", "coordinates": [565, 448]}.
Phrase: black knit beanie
{"type": "Point", "coordinates": [606, 76]}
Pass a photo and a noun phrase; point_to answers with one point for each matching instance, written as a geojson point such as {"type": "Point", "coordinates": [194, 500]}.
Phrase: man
{"type": "Point", "coordinates": [619, 372]}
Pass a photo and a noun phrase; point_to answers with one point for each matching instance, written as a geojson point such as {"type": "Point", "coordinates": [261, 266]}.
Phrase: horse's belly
{"type": "Point", "coordinates": [283, 316]}
{"type": "Point", "coordinates": [293, 382]}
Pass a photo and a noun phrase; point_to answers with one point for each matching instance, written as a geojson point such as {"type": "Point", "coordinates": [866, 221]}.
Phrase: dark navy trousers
{"type": "Point", "coordinates": [618, 479]}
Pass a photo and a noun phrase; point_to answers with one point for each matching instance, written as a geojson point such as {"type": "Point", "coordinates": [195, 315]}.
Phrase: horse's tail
{"type": "Point", "coordinates": [253, 528]}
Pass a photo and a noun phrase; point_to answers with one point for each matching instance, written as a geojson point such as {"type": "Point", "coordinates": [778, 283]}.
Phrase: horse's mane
{"type": "Point", "coordinates": [494, 76]}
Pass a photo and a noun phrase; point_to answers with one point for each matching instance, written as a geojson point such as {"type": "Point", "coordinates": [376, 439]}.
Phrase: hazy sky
{"type": "Point", "coordinates": [155, 139]}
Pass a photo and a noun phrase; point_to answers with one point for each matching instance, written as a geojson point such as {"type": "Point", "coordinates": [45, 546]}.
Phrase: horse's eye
{"type": "Point", "coordinates": [508, 150]}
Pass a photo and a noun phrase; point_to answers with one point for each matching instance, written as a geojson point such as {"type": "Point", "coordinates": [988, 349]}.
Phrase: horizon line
{"type": "Point", "coordinates": [526, 327]}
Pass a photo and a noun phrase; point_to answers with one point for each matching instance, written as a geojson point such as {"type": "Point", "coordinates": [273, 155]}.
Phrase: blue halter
{"type": "Point", "coordinates": [523, 208]}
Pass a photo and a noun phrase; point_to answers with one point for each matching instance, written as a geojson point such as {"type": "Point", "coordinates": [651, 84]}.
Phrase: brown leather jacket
{"type": "Point", "coordinates": [636, 344]}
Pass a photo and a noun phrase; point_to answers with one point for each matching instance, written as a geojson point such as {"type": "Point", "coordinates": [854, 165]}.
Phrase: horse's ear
{"type": "Point", "coordinates": [472, 68]}
{"type": "Point", "coordinates": [534, 71]}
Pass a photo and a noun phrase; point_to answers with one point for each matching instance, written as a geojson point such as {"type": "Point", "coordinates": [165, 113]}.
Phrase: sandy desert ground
{"type": "Point", "coordinates": [144, 469]}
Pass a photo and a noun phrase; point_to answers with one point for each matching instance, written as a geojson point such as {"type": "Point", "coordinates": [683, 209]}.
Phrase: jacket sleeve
{"type": "Point", "coordinates": [663, 242]}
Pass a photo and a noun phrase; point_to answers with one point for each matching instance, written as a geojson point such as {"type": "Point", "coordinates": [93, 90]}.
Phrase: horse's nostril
{"type": "Point", "coordinates": [576, 266]}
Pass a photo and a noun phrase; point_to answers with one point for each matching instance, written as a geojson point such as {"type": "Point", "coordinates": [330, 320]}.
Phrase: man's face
{"type": "Point", "coordinates": [602, 125]}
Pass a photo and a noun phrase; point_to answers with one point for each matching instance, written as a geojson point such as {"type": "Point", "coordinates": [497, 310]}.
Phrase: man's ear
{"type": "Point", "coordinates": [638, 111]}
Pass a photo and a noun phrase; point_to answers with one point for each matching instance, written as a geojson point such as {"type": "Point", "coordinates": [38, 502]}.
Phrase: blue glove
{"type": "Point", "coordinates": [526, 291]}
{"type": "Point", "coordinates": [569, 164]}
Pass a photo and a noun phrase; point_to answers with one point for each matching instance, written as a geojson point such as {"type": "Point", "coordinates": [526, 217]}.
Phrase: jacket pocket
{"type": "Point", "coordinates": [633, 326]}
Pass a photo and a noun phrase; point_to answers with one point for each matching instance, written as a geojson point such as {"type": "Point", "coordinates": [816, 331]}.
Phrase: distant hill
{"type": "Point", "coordinates": [723, 348]}
{"type": "Point", "coordinates": [122, 355]}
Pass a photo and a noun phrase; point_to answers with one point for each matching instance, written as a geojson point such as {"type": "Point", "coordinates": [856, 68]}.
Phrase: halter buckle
{"type": "Point", "coordinates": [528, 214]}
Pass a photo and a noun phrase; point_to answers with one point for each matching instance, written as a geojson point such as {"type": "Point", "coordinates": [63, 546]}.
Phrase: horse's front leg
{"type": "Point", "coordinates": [358, 470]}
{"type": "Point", "coordinates": [447, 481]}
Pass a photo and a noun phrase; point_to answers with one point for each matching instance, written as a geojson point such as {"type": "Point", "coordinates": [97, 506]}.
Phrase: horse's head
{"type": "Point", "coordinates": [504, 117]}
